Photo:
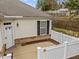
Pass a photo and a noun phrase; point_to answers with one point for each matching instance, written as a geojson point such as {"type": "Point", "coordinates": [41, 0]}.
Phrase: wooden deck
{"type": "Point", "coordinates": [26, 48]}
{"type": "Point", "coordinates": [76, 57]}
{"type": "Point", "coordinates": [29, 51]}
{"type": "Point", "coordinates": [30, 40]}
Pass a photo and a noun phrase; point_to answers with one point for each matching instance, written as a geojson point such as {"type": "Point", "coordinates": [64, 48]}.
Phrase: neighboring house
{"type": "Point", "coordinates": [60, 12]}
{"type": "Point", "coordinates": [63, 12]}
{"type": "Point", "coordinates": [19, 20]}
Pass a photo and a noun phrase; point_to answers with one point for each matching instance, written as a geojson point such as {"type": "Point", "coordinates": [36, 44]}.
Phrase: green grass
{"type": "Point", "coordinates": [68, 32]}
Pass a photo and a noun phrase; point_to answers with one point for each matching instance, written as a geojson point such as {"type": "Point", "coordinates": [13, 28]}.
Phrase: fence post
{"type": "Point", "coordinates": [39, 53]}
{"type": "Point", "coordinates": [9, 56]}
{"type": "Point", "coordinates": [62, 37]}
{"type": "Point", "coordinates": [65, 49]}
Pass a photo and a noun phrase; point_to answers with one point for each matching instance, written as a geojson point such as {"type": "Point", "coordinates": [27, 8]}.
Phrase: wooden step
{"type": "Point", "coordinates": [30, 40]}
{"type": "Point", "coordinates": [75, 57]}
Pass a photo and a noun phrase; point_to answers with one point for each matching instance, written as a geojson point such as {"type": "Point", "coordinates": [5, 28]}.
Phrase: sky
{"type": "Point", "coordinates": [30, 2]}
{"type": "Point", "coordinates": [33, 2]}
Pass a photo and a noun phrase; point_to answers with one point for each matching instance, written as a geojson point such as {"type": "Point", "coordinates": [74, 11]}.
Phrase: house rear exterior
{"type": "Point", "coordinates": [18, 20]}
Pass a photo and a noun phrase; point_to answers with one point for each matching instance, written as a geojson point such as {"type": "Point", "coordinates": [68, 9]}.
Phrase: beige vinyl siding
{"type": "Point", "coordinates": [26, 28]}
{"type": "Point", "coordinates": [0, 40]}
{"type": "Point", "coordinates": [0, 37]}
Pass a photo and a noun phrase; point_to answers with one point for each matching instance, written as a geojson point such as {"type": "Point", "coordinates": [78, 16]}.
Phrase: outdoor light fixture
{"type": "Point", "coordinates": [17, 24]}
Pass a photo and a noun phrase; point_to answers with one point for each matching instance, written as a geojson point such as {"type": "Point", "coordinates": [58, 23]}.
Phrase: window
{"type": "Point", "coordinates": [7, 23]}
{"type": "Point", "coordinates": [43, 27]}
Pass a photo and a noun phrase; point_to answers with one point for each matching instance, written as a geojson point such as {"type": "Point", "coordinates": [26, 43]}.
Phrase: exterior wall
{"type": "Point", "coordinates": [1, 36]}
{"type": "Point", "coordinates": [0, 40]}
{"type": "Point", "coordinates": [26, 28]}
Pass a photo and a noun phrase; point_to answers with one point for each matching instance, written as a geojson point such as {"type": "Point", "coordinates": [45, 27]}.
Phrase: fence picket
{"type": "Point", "coordinates": [69, 47]}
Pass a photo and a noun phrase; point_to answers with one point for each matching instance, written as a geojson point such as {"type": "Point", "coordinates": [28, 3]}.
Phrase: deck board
{"type": "Point", "coordinates": [76, 57]}
{"type": "Point", "coordinates": [29, 51]}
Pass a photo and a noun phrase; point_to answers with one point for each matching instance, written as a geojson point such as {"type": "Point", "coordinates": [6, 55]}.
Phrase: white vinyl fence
{"type": "Point", "coordinates": [8, 56]}
{"type": "Point", "coordinates": [62, 51]}
{"type": "Point", "coordinates": [61, 38]}
{"type": "Point", "coordinates": [69, 47]}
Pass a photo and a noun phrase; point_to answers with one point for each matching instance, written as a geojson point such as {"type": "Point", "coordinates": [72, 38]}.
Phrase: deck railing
{"type": "Point", "coordinates": [62, 51]}
{"type": "Point", "coordinates": [60, 37]}
{"type": "Point", "coordinates": [8, 56]}
{"type": "Point", "coordinates": [69, 47]}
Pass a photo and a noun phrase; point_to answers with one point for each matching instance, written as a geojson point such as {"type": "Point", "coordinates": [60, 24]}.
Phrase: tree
{"type": "Point", "coordinates": [72, 5]}
{"type": "Point", "coordinates": [46, 5]}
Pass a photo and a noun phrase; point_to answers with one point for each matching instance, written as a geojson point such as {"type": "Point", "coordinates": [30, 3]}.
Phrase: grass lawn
{"type": "Point", "coordinates": [68, 32]}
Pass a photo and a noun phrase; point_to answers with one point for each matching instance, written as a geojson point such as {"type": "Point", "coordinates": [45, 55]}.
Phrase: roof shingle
{"type": "Point", "coordinates": [18, 8]}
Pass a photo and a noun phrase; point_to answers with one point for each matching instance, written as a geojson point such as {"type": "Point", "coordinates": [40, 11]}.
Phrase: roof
{"type": "Point", "coordinates": [18, 8]}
